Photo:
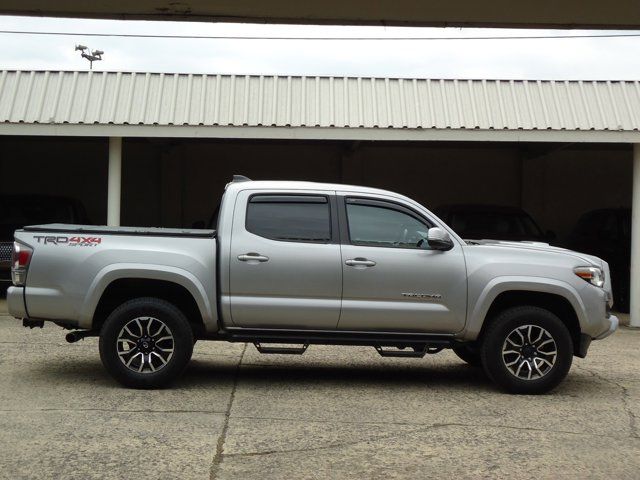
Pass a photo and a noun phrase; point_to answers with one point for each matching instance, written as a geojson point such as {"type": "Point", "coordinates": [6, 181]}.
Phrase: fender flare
{"type": "Point", "coordinates": [120, 271]}
{"type": "Point", "coordinates": [499, 285]}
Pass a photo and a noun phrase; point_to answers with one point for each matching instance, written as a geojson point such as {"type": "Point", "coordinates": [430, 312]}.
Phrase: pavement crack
{"type": "Point", "coordinates": [334, 445]}
{"type": "Point", "coordinates": [626, 400]}
{"type": "Point", "coordinates": [111, 410]}
{"type": "Point", "coordinates": [422, 429]}
{"type": "Point", "coordinates": [219, 455]}
{"type": "Point", "coordinates": [415, 424]}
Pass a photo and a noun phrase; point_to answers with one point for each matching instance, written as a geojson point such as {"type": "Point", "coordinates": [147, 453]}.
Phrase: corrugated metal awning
{"type": "Point", "coordinates": [300, 104]}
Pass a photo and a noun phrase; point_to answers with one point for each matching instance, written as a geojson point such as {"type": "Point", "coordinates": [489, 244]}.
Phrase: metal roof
{"type": "Point", "coordinates": [63, 98]}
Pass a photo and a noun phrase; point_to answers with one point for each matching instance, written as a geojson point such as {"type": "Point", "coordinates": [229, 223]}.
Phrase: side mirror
{"type": "Point", "coordinates": [198, 224]}
{"type": "Point", "coordinates": [438, 239]}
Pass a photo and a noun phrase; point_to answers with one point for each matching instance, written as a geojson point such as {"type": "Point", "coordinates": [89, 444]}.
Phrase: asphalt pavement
{"type": "Point", "coordinates": [333, 413]}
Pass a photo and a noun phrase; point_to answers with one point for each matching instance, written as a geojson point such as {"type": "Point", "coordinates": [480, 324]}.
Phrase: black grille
{"type": "Point", "coordinates": [5, 251]}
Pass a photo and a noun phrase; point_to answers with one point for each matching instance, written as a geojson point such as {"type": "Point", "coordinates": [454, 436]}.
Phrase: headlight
{"type": "Point", "coordinates": [593, 275]}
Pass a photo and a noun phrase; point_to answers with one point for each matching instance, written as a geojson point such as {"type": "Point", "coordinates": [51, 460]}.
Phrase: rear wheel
{"type": "Point", "coordinates": [146, 343]}
{"type": "Point", "coordinates": [527, 350]}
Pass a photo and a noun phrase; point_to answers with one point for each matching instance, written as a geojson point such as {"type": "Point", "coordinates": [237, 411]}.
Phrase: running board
{"type": "Point", "coordinates": [281, 350]}
{"type": "Point", "coordinates": [335, 337]}
{"type": "Point", "coordinates": [411, 352]}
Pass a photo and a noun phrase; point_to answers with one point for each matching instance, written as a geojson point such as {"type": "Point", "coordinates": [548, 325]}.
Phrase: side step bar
{"type": "Point", "coordinates": [281, 350]}
{"type": "Point", "coordinates": [387, 344]}
{"type": "Point", "coordinates": [416, 351]}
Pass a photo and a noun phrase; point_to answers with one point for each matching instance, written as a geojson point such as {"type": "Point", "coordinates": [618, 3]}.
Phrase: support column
{"type": "Point", "coordinates": [115, 181]}
{"type": "Point", "coordinates": [635, 239]}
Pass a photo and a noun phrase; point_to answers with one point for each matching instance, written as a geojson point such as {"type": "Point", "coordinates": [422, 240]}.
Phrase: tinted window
{"type": "Point", "coordinates": [289, 217]}
{"type": "Point", "coordinates": [379, 226]}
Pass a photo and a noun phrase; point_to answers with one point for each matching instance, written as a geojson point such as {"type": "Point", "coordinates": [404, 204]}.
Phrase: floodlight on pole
{"type": "Point", "coordinates": [92, 56]}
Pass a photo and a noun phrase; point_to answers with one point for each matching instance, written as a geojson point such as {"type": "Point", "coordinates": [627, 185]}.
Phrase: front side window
{"type": "Point", "coordinates": [293, 218]}
{"type": "Point", "coordinates": [378, 225]}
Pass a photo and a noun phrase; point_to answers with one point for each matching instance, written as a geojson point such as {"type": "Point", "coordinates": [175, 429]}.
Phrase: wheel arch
{"type": "Point", "coordinates": [552, 295]}
{"type": "Point", "coordinates": [556, 304]}
{"type": "Point", "coordinates": [117, 284]}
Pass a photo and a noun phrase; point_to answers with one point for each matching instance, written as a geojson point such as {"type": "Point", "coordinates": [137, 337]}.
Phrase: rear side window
{"type": "Point", "coordinates": [293, 218]}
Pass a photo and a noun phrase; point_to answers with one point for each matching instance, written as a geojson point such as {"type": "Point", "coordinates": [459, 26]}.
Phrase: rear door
{"type": "Point", "coordinates": [390, 282]}
{"type": "Point", "coordinates": [285, 268]}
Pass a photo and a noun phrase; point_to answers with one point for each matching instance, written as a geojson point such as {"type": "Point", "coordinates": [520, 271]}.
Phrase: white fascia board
{"type": "Point", "coordinates": [321, 133]}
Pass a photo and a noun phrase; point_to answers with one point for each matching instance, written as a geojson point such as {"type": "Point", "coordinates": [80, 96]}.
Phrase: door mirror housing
{"type": "Point", "coordinates": [438, 239]}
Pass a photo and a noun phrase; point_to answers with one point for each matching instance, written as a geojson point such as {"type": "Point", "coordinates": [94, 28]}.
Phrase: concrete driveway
{"type": "Point", "coordinates": [336, 412]}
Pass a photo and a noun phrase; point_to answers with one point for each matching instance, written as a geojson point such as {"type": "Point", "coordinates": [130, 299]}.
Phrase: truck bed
{"type": "Point", "coordinates": [101, 229]}
{"type": "Point", "coordinates": [73, 265]}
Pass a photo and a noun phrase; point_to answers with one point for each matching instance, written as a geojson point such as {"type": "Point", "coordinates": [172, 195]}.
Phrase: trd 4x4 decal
{"type": "Point", "coordinates": [70, 241]}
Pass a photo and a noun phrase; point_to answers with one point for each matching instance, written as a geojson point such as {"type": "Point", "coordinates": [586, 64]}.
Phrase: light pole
{"type": "Point", "coordinates": [93, 56]}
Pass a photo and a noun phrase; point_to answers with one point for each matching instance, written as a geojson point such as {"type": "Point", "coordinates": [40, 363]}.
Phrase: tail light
{"type": "Point", "coordinates": [20, 259]}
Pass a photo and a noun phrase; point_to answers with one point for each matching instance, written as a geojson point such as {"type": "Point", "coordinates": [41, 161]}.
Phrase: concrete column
{"type": "Point", "coordinates": [635, 239]}
{"type": "Point", "coordinates": [115, 181]}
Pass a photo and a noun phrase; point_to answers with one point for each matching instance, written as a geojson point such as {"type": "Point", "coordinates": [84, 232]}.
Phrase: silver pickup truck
{"type": "Point", "coordinates": [293, 264]}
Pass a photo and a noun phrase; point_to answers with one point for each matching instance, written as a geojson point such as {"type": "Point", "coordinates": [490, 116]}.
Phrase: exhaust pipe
{"type": "Point", "coordinates": [73, 337]}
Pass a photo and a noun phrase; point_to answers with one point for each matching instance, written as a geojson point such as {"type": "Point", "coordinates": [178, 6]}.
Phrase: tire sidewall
{"type": "Point", "coordinates": [496, 335]}
{"type": "Point", "coordinates": [146, 307]}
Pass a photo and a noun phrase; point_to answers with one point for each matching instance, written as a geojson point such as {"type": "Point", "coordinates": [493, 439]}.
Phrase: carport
{"type": "Point", "coordinates": [167, 143]}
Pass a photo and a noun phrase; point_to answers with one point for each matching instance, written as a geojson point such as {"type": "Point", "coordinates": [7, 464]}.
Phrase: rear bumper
{"type": "Point", "coordinates": [15, 302]}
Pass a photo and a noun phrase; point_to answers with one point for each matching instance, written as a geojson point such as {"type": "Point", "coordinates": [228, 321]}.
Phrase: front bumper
{"type": "Point", "coordinates": [613, 326]}
{"type": "Point", "coordinates": [15, 302]}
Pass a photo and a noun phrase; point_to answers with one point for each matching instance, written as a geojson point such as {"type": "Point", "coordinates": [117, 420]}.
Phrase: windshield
{"type": "Point", "coordinates": [495, 225]}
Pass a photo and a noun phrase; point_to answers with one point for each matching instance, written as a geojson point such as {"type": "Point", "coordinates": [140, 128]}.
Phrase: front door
{"type": "Point", "coordinates": [391, 280]}
{"type": "Point", "coordinates": [285, 267]}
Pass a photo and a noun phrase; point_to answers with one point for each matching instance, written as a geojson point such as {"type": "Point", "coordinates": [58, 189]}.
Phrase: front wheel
{"type": "Point", "coordinates": [146, 343]}
{"type": "Point", "coordinates": [527, 350]}
{"type": "Point", "coordinates": [469, 354]}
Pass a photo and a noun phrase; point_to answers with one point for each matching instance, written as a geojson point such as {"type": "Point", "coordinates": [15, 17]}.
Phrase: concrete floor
{"type": "Point", "coordinates": [336, 412]}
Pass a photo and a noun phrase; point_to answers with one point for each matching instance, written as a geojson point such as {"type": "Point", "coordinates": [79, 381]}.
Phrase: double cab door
{"type": "Point", "coordinates": [330, 260]}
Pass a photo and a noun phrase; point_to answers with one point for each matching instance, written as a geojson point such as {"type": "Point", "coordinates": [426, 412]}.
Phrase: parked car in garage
{"type": "Point", "coordinates": [606, 233]}
{"type": "Point", "coordinates": [292, 264]}
{"type": "Point", "coordinates": [16, 211]}
{"type": "Point", "coordinates": [493, 222]}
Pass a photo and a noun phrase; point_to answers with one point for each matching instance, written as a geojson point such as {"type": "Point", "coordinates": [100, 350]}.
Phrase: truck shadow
{"type": "Point", "coordinates": [204, 372]}
{"type": "Point", "coordinates": [284, 375]}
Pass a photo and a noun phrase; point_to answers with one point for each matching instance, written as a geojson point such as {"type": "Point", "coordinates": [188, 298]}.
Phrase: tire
{"type": "Point", "coordinates": [469, 354]}
{"type": "Point", "coordinates": [152, 336]}
{"type": "Point", "coordinates": [502, 337]}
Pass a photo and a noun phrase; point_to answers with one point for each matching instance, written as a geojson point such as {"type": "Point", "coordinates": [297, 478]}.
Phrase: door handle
{"type": "Point", "coordinates": [360, 262]}
{"type": "Point", "coordinates": [252, 257]}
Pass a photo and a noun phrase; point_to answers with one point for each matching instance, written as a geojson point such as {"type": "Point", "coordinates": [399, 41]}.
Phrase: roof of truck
{"type": "Point", "coordinates": [302, 185]}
